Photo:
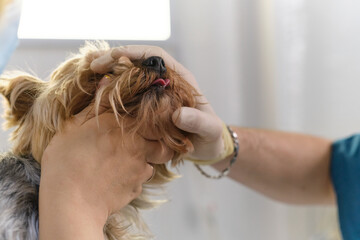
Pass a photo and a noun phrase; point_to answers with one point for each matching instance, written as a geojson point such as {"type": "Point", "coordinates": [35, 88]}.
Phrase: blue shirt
{"type": "Point", "coordinates": [9, 22]}
{"type": "Point", "coordinates": [345, 174]}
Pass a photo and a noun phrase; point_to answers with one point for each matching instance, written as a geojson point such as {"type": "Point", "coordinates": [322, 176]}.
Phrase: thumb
{"type": "Point", "coordinates": [192, 120]}
{"type": "Point", "coordinates": [102, 64]}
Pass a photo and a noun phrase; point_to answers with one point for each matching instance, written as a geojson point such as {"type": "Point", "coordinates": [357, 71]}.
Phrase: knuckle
{"type": "Point", "coordinates": [115, 53]}
{"type": "Point", "coordinates": [137, 191]}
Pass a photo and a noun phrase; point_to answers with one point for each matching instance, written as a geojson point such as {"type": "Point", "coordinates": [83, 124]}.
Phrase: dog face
{"type": "Point", "coordinates": [142, 94]}
{"type": "Point", "coordinates": [147, 92]}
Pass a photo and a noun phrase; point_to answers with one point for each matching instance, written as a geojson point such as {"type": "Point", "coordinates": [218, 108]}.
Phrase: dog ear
{"type": "Point", "coordinates": [20, 92]}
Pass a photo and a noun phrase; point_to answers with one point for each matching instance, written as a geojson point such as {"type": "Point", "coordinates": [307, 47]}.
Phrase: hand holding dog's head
{"type": "Point", "coordinates": [142, 94]}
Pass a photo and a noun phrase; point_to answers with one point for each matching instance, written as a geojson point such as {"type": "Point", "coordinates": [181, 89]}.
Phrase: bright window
{"type": "Point", "coordinates": [90, 19]}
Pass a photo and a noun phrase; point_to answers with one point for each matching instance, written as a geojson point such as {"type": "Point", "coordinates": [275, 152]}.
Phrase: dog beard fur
{"type": "Point", "coordinates": [39, 109]}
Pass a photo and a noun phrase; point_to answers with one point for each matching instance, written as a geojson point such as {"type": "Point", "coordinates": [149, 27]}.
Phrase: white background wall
{"type": "Point", "coordinates": [287, 65]}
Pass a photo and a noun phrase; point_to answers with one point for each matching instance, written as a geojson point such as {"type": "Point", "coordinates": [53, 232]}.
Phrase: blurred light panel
{"type": "Point", "coordinates": [90, 19]}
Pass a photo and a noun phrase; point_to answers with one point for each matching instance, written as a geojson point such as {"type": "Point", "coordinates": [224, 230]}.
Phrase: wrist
{"type": "Point", "coordinates": [232, 141]}
{"type": "Point", "coordinates": [223, 163]}
{"type": "Point", "coordinates": [225, 147]}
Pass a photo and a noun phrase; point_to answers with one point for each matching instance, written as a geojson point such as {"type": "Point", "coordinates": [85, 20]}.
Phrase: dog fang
{"type": "Point", "coordinates": [161, 82]}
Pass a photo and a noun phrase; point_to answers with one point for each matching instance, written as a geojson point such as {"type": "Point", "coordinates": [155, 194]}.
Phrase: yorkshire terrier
{"type": "Point", "coordinates": [144, 90]}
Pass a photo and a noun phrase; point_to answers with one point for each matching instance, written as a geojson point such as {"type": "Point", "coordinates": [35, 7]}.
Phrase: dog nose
{"type": "Point", "coordinates": [155, 63]}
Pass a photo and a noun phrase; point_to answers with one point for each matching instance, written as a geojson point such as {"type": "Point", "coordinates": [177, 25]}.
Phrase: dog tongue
{"type": "Point", "coordinates": [161, 82]}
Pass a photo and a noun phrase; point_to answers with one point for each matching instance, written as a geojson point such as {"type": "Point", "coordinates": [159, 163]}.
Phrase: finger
{"type": "Point", "coordinates": [145, 51]}
{"type": "Point", "coordinates": [102, 64]}
{"type": "Point", "coordinates": [104, 104]}
{"type": "Point", "coordinates": [195, 121]}
{"type": "Point", "coordinates": [141, 51]}
{"type": "Point", "coordinates": [153, 171]}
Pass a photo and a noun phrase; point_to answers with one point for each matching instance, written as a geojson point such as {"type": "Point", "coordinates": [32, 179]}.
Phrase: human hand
{"type": "Point", "coordinates": [95, 162]}
{"type": "Point", "coordinates": [202, 121]}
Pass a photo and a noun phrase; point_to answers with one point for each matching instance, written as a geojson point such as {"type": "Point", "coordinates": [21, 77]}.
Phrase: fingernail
{"type": "Point", "coordinates": [105, 80]}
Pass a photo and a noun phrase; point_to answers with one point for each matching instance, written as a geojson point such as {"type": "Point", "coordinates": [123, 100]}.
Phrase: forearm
{"type": "Point", "coordinates": [288, 167]}
{"type": "Point", "coordinates": [65, 216]}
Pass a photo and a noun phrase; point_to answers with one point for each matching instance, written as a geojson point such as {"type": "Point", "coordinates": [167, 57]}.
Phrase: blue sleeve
{"type": "Point", "coordinates": [9, 22]}
{"type": "Point", "coordinates": [345, 174]}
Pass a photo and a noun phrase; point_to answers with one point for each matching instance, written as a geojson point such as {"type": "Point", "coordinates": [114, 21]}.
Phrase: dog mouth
{"type": "Point", "coordinates": [161, 82]}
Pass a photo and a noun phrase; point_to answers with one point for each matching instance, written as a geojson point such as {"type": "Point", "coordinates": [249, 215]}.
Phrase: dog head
{"type": "Point", "coordinates": [144, 92]}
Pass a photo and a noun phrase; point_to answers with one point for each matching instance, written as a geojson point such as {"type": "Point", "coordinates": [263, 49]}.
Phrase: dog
{"type": "Point", "coordinates": [143, 90]}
